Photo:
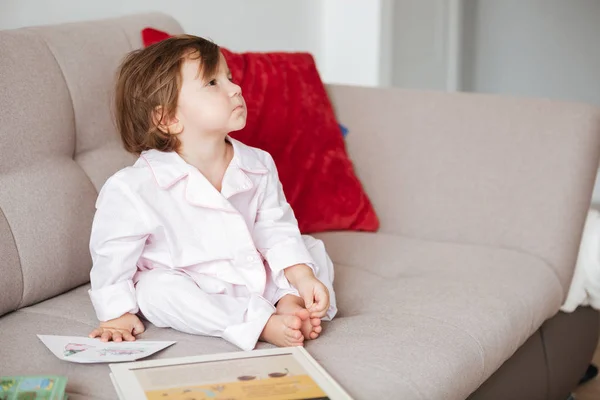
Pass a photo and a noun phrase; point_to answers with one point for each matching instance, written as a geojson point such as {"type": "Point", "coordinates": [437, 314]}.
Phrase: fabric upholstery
{"type": "Point", "coordinates": [472, 288]}
{"type": "Point", "coordinates": [46, 198]}
{"type": "Point", "coordinates": [523, 376]}
{"type": "Point", "coordinates": [11, 283]}
{"type": "Point", "coordinates": [473, 168]}
{"type": "Point", "coordinates": [414, 313]}
{"type": "Point", "coordinates": [550, 364]}
{"type": "Point", "coordinates": [103, 44]}
{"type": "Point", "coordinates": [566, 361]}
{"type": "Point", "coordinates": [58, 145]}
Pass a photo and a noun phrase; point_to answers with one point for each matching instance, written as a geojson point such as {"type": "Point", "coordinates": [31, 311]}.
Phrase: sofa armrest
{"type": "Point", "coordinates": [490, 170]}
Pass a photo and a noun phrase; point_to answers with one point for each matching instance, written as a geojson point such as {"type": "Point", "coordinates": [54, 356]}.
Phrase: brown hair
{"type": "Point", "coordinates": [150, 78]}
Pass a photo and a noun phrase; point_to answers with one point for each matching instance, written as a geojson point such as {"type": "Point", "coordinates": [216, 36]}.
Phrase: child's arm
{"type": "Point", "coordinates": [276, 232]}
{"type": "Point", "coordinates": [314, 293]}
{"type": "Point", "coordinates": [119, 233]}
{"type": "Point", "coordinates": [279, 240]}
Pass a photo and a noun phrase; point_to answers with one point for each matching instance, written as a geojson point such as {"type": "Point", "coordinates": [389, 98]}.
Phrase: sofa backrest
{"type": "Point", "coordinates": [476, 169]}
{"type": "Point", "coordinates": [58, 145]}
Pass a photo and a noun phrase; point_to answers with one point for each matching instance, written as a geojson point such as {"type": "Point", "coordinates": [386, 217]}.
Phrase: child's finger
{"type": "Point", "coordinates": [117, 337]}
{"type": "Point", "coordinates": [308, 301]}
{"type": "Point", "coordinates": [322, 300]}
{"type": "Point", "coordinates": [95, 333]}
{"type": "Point", "coordinates": [138, 328]}
{"type": "Point", "coordinates": [106, 336]}
{"type": "Point", "coordinates": [128, 337]}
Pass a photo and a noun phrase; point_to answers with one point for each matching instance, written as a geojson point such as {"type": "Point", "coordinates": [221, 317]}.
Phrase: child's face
{"type": "Point", "coordinates": [210, 106]}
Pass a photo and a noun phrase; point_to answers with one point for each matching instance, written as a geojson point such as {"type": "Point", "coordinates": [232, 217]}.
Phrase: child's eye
{"type": "Point", "coordinates": [230, 78]}
{"type": "Point", "coordinates": [212, 82]}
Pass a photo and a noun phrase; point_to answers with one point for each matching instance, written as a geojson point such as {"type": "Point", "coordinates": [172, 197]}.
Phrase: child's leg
{"type": "Point", "coordinates": [287, 299]}
{"type": "Point", "coordinates": [323, 271]}
{"type": "Point", "coordinates": [292, 304]}
{"type": "Point", "coordinates": [171, 300]}
{"type": "Point", "coordinates": [289, 302]}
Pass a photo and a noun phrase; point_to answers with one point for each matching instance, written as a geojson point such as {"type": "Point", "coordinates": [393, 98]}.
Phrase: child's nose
{"type": "Point", "coordinates": [235, 89]}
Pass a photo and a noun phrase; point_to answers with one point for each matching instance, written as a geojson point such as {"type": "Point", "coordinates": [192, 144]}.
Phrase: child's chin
{"type": "Point", "coordinates": [238, 126]}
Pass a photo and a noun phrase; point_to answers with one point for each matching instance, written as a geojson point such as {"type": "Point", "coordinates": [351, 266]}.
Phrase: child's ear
{"type": "Point", "coordinates": [168, 124]}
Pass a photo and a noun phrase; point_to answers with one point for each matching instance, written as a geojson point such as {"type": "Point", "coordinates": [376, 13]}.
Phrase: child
{"type": "Point", "coordinates": [197, 235]}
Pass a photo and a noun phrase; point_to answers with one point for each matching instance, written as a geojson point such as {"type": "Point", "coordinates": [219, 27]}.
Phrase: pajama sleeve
{"type": "Point", "coordinates": [119, 234]}
{"type": "Point", "coordinates": [276, 232]}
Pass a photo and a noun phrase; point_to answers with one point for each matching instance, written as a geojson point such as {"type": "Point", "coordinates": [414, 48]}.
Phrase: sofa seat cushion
{"type": "Point", "coordinates": [418, 320]}
{"type": "Point", "coordinates": [447, 315]}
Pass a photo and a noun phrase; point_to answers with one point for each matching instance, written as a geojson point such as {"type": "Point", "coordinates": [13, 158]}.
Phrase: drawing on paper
{"type": "Point", "coordinates": [74, 348]}
{"type": "Point", "coordinates": [120, 351]}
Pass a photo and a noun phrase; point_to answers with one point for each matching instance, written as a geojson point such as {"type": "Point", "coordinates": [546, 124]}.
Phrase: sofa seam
{"type": "Point", "coordinates": [64, 78]}
{"type": "Point", "coordinates": [62, 73]}
{"type": "Point", "coordinates": [54, 315]}
{"type": "Point", "coordinates": [546, 364]}
{"type": "Point", "coordinates": [36, 33]}
{"type": "Point", "coordinates": [124, 32]}
{"type": "Point", "coordinates": [14, 240]}
{"type": "Point", "coordinates": [345, 264]}
{"type": "Point", "coordinates": [543, 260]}
{"type": "Point", "coordinates": [517, 250]}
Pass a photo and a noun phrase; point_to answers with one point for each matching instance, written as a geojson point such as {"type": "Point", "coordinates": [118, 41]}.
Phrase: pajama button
{"type": "Point", "coordinates": [249, 258]}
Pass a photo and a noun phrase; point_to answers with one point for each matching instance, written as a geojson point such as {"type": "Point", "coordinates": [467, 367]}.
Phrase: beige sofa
{"type": "Point", "coordinates": [482, 201]}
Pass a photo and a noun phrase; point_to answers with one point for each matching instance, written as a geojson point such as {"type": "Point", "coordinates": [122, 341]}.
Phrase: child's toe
{"type": "Point", "coordinates": [292, 321]}
{"type": "Point", "coordinates": [302, 313]}
{"type": "Point", "coordinates": [293, 334]}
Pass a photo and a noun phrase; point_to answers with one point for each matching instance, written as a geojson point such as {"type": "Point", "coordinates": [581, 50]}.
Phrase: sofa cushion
{"type": "Point", "coordinates": [473, 289]}
{"type": "Point", "coordinates": [417, 319]}
{"type": "Point", "coordinates": [46, 199]}
{"type": "Point", "coordinates": [57, 147]}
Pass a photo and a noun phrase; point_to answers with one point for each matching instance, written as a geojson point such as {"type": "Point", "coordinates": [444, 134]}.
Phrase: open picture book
{"type": "Point", "coordinates": [272, 374]}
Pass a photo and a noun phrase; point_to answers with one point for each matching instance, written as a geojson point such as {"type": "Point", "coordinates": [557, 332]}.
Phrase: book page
{"type": "Point", "coordinates": [273, 377]}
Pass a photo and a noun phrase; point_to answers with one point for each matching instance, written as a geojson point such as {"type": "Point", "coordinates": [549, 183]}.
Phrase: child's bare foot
{"type": "Point", "coordinates": [283, 331]}
{"type": "Point", "coordinates": [294, 305]}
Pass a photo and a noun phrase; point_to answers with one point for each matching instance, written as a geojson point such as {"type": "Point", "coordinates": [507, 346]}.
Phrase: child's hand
{"type": "Point", "coordinates": [314, 293]}
{"type": "Point", "coordinates": [119, 329]}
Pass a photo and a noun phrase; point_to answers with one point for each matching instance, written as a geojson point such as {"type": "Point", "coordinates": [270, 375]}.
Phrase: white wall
{"type": "Point", "coordinates": [351, 40]}
{"type": "Point", "coordinates": [237, 24]}
{"type": "Point", "coordinates": [426, 44]}
{"type": "Point", "coordinates": [548, 48]}
{"type": "Point", "coordinates": [538, 48]}
{"type": "Point", "coordinates": [356, 47]}
{"type": "Point", "coordinates": [419, 44]}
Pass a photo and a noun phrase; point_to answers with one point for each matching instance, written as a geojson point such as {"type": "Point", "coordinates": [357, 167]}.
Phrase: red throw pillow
{"type": "Point", "coordinates": [290, 116]}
